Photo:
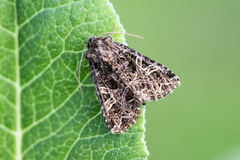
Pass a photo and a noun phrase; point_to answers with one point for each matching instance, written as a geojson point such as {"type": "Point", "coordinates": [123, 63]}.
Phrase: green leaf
{"type": "Point", "coordinates": [43, 114]}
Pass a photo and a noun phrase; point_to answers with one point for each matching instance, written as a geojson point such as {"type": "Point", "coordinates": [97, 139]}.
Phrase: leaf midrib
{"type": "Point", "coordinates": [18, 133]}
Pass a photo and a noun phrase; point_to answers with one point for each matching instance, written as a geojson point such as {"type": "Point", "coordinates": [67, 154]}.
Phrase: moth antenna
{"type": "Point", "coordinates": [80, 68]}
{"type": "Point", "coordinates": [113, 29]}
{"type": "Point", "coordinates": [111, 33]}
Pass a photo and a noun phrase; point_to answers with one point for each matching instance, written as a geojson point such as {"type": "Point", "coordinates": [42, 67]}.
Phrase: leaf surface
{"type": "Point", "coordinates": [43, 114]}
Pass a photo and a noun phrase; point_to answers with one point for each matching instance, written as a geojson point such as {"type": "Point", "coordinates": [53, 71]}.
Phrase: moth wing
{"type": "Point", "coordinates": [150, 79]}
{"type": "Point", "coordinates": [120, 106]}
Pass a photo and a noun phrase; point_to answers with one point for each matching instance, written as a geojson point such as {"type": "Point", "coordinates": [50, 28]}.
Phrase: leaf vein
{"type": "Point", "coordinates": [53, 111]}
{"type": "Point", "coordinates": [70, 148]}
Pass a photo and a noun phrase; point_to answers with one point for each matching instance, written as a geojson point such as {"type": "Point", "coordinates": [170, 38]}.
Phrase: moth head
{"type": "Point", "coordinates": [108, 40]}
{"type": "Point", "coordinates": [98, 41]}
{"type": "Point", "coordinates": [90, 40]}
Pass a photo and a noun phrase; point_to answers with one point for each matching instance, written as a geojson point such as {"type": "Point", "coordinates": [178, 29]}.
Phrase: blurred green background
{"type": "Point", "coordinates": [199, 40]}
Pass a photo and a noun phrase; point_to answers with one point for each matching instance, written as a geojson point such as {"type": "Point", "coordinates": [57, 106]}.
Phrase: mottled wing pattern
{"type": "Point", "coordinates": [119, 105]}
{"type": "Point", "coordinates": [124, 79]}
{"type": "Point", "coordinates": [150, 79]}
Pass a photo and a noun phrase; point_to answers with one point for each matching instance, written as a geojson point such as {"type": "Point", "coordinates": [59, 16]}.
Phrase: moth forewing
{"type": "Point", "coordinates": [124, 79]}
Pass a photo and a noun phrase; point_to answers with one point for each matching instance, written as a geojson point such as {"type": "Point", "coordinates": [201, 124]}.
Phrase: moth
{"type": "Point", "coordinates": [124, 79]}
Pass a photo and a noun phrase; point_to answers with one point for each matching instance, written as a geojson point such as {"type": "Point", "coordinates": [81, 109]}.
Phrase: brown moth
{"type": "Point", "coordinates": [124, 79]}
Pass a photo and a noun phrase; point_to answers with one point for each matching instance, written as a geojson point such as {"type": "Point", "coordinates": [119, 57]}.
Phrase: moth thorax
{"type": "Point", "coordinates": [108, 56]}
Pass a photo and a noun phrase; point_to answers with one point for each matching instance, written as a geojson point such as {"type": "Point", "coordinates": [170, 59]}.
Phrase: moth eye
{"type": "Point", "coordinates": [112, 84]}
{"type": "Point", "coordinates": [90, 39]}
